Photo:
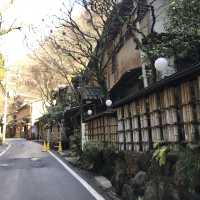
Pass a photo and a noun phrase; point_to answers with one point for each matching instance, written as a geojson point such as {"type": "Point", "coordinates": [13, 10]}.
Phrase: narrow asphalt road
{"type": "Point", "coordinates": [26, 173]}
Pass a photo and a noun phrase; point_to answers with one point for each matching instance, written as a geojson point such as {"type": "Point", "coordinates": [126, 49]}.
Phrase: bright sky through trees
{"type": "Point", "coordinates": [26, 13]}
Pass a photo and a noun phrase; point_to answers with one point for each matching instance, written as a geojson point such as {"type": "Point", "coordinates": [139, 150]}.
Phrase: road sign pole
{"type": "Point", "coordinates": [5, 110]}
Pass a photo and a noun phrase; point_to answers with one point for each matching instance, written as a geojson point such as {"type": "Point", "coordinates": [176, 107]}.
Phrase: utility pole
{"type": "Point", "coordinates": [3, 76]}
{"type": "Point", "coordinates": [82, 127]}
{"type": "Point", "coordinates": [5, 110]}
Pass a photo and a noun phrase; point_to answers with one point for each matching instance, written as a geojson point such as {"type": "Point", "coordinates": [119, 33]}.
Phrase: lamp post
{"type": "Point", "coordinates": [82, 125]}
{"type": "Point", "coordinates": [3, 76]}
{"type": "Point", "coordinates": [5, 111]}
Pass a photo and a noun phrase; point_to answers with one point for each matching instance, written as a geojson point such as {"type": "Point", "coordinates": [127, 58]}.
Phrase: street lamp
{"type": "Point", "coordinates": [161, 64]}
{"type": "Point", "coordinates": [89, 112]}
{"type": "Point", "coordinates": [108, 103]}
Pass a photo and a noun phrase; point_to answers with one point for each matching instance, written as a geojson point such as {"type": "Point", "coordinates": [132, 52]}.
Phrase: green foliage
{"type": "Point", "coordinates": [157, 45]}
{"type": "Point", "coordinates": [184, 17]}
{"type": "Point", "coordinates": [188, 168]}
{"type": "Point", "coordinates": [75, 144]}
{"type": "Point", "coordinates": [99, 157]}
{"type": "Point", "coordinates": [3, 32]}
{"type": "Point", "coordinates": [91, 156]}
{"type": "Point", "coordinates": [160, 154]}
{"type": "Point", "coordinates": [182, 37]}
{"type": "Point", "coordinates": [54, 115]}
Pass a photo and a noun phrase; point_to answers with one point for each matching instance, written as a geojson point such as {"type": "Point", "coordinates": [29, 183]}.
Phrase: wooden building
{"type": "Point", "coordinates": [22, 122]}
{"type": "Point", "coordinates": [167, 111]}
{"type": "Point", "coordinates": [122, 78]}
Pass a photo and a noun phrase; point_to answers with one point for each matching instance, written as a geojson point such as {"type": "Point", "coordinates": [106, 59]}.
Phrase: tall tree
{"type": "Point", "coordinates": [86, 38]}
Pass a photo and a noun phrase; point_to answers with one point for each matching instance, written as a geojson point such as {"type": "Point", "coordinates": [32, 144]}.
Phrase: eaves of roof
{"type": "Point", "coordinates": [173, 80]}
{"type": "Point", "coordinates": [110, 113]}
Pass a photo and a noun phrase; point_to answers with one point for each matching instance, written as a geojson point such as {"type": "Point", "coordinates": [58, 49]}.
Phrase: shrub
{"type": "Point", "coordinates": [160, 154]}
{"type": "Point", "coordinates": [90, 156]}
{"type": "Point", "coordinates": [75, 144]}
{"type": "Point", "coordinates": [99, 158]}
{"type": "Point", "coordinates": [187, 170]}
{"type": "Point", "coordinates": [109, 156]}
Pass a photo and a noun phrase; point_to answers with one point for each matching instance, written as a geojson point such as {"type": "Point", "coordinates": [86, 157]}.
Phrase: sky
{"type": "Point", "coordinates": [26, 13]}
{"type": "Point", "coordinates": [13, 46]}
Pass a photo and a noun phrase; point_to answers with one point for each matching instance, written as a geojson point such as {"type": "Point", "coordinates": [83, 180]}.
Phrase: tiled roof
{"type": "Point", "coordinates": [90, 93]}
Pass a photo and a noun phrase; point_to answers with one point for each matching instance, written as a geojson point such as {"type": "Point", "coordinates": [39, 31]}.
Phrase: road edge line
{"type": "Point", "coordinates": [7, 148]}
{"type": "Point", "coordinates": [89, 188]}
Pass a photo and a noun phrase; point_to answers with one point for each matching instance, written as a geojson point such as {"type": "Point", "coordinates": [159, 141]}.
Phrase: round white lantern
{"type": "Point", "coordinates": [161, 64]}
{"type": "Point", "coordinates": [108, 103]}
{"type": "Point", "coordinates": [89, 112]}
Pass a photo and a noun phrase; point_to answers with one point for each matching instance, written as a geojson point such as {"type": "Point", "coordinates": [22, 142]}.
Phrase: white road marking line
{"type": "Point", "coordinates": [93, 192]}
{"type": "Point", "coordinates": [7, 148]}
{"type": "Point", "coordinates": [35, 159]}
{"type": "Point", "coordinates": [4, 165]}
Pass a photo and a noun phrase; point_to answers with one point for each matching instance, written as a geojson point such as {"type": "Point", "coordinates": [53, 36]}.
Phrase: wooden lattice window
{"type": "Point", "coordinates": [155, 122]}
{"type": "Point", "coordinates": [169, 111]}
{"type": "Point", "coordinates": [144, 124]}
{"type": "Point", "coordinates": [187, 112]}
